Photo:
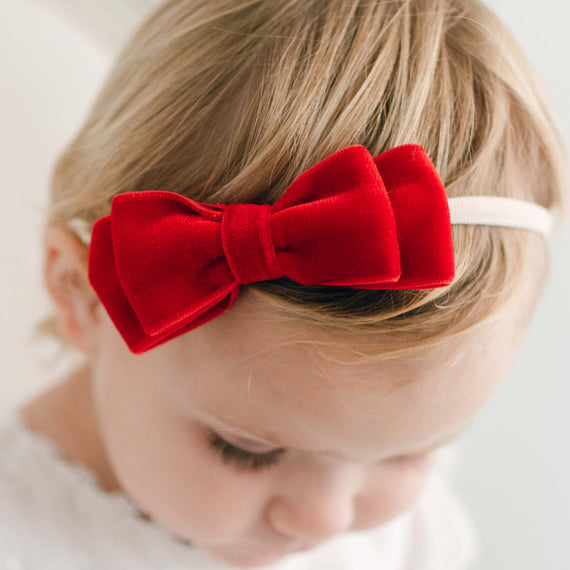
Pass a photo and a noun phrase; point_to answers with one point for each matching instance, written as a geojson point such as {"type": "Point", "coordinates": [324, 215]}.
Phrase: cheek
{"type": "Point", "coordinates": [162, 462]}
{"type": "Point", "coordinates": [391, 491]}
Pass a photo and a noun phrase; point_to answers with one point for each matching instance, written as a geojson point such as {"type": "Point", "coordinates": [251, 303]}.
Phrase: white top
{"type": "Point", "coordinates": [54, 516]}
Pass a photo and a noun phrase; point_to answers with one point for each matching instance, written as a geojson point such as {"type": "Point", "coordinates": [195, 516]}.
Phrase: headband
{"type": "Point", "coordinates": [163, 264]}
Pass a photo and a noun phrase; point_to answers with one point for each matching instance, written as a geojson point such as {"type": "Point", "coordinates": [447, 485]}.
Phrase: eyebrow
{"type": "Point", "coordinates": [240, 432]}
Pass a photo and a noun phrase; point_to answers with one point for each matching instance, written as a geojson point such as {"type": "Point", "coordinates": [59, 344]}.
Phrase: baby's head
{"type": "Point", "coordinates": [228, 103]}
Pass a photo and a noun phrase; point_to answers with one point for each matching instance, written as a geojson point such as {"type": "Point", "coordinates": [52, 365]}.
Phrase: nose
{"type": "Point", "coordinates": [314, 506]}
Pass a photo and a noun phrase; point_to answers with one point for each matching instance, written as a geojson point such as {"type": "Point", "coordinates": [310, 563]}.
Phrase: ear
{"type": "Point", "coordinates": [78, 309]}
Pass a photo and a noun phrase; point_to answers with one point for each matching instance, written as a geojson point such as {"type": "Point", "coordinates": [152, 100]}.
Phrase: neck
{"type": "Point", "coordinates": [66, 414]}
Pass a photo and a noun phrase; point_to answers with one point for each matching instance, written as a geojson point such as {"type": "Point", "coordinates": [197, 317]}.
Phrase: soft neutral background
{"type": "Point", "coordinates": [515, 469]}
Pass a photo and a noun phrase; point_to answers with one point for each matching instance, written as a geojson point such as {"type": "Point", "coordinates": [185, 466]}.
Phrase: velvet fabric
{"type": "Point", "coordinates": [163, 264]}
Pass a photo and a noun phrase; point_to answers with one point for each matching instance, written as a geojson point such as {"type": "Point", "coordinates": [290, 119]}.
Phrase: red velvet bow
{"type": "Point", "coordinates": [163, 264]}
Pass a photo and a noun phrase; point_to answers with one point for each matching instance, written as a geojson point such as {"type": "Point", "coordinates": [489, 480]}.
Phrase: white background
{"type": "Point", "coordinates": [515, 469]}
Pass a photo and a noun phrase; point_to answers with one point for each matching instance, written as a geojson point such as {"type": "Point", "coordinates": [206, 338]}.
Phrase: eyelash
{"type": "Point", "coordinates": [240, 458]}
{"type": "Point", "coordinates": [247, 461]}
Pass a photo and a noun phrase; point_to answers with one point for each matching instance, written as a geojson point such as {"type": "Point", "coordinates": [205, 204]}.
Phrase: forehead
{"type": "Point", "coordinates": [267, 378]}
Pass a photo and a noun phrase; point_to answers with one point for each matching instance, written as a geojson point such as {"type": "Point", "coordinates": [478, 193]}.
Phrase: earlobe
{"type": "Point", "coordinates": [66, 280]}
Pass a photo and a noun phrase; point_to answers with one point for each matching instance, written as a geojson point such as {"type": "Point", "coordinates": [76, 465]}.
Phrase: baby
{"type": "Point", "coordinates": [260, 242]}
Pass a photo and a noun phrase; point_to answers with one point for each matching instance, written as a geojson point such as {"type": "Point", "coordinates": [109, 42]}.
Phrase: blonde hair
{"type": "Point", "coordinates": [230, 100]}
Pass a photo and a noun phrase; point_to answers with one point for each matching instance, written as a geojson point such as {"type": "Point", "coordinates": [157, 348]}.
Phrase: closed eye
{"type": "Point", "coordinates": [247, 460]}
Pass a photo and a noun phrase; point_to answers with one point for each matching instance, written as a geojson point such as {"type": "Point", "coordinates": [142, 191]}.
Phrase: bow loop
{"type": "Point", "coordinates": [335, 224]}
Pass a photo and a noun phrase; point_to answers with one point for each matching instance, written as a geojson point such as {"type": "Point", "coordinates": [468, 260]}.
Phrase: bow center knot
{"type": "Point", "coordinates": [248, 243]}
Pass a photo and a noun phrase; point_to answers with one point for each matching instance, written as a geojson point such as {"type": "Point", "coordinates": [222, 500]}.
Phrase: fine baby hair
{"type": "Point", "coordinates": [228, 102]}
